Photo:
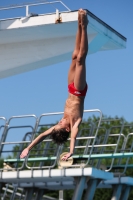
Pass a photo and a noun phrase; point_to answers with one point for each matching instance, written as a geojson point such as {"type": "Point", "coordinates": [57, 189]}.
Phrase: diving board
{"type": "Point", "coordinates": [28, 43]}
{"type": "Point", "coordinates": [56, 179]}
{"type": "Point", "coordinates": [52, 176]}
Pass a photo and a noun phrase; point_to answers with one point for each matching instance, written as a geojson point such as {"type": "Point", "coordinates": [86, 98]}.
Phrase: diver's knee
{"type": "Point", "coordinates": [81, 58]}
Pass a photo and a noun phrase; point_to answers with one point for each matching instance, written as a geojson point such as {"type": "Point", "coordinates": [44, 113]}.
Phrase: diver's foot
{"type": "Point", "coordinates": [84, 19]}
{"type": "Point", "coordinates": [79, 17]}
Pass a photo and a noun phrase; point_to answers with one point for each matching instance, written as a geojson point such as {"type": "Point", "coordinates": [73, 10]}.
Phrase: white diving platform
{"type": "Point", "coordinates": [31, 42]}
{"type": "Point", "coordinates": [54, 178]}
{"type": "Point", "coordinates": [77, 179]}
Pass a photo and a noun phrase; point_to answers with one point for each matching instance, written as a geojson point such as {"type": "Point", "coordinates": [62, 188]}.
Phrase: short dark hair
{"type": "Point", "coordinates": [59, 136]}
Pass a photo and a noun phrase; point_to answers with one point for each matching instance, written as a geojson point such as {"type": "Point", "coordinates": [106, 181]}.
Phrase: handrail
{"type": "Point", "coordinates": [130, 134]}
{"type": "Point", "coordinates": [7, 128]}
{"type": "Point", "coordinates": [96, 142]}
{"type": "Point", "coordinates": [3, 118]}
{"type": "Point", "coordinates": [92, 157]}
{"type": "Point", "coordinates": [31, 4]}
{"type": "Point", "coordinates": [122, 126]}
{"type": "Point", "coordinates": [28, 5]}
{"type": "Point", "coordinates": [15, 117]}
{"type": "Point", "coordinates": [100, 118]}
{"type": "Point", "coordinates": [21, 116]}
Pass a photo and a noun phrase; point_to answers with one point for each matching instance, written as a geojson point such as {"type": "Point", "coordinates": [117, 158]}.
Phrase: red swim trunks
{"type": "Point", "coordinates": [74, 91]}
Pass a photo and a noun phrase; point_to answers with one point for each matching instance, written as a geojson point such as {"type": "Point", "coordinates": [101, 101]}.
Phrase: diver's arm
{"type": "Point", "coordinates": [37, 140]}
{"type": "Point", "coordinates": [74, 133]}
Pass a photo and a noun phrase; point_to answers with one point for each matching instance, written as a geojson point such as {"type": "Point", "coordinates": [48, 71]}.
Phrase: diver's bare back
{"type": "Point", "coordinates": [74, 108]}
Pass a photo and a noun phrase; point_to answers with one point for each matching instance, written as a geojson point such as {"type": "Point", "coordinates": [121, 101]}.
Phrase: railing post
{"type": "Point", "coordinates": [27, 5]}
{"type": "Point", "coordinates": [60, 194]}
{"type": "Point", "coordinates": [3, 137]}
{"type": "Point", "coordinates": [27, 10]}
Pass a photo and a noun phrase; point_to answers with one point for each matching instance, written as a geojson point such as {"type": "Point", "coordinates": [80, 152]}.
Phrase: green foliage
{"type": "Point", "coordinates": [103, 194]}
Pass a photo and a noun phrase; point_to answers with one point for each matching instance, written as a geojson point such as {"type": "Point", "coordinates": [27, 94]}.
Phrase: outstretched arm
{"type": "Point", "coordinates": [74, 133]}
{"type": "Point", "coordinates": [35, 142]}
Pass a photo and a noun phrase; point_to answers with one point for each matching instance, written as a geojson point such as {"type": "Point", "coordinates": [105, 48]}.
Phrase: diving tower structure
{"type": "Point", "coordinates": [43, 169]}
{"type": "Point", "coordinates": [37, 40]}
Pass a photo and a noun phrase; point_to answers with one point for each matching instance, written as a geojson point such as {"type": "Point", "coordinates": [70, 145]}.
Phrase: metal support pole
{"type": "Point", "coordinates": [39, 194]}
{"type": "Point", "coordinates": [0, 188]}
{"type": "Point", "coordinates": [125, 193]}
{"type": "Point", "coordinates": [13, 193]}
{"type": "Point", "coordinates": [117, 192]}
{"type": "Point", "coordinates": [27, 11]}
{"type": "Point", "coordinates": [60, 194]}
{"type": "Point", "coordinates": [3, 137]}
{"type": "Point", "coordinates": [29, 193]}
{"type": "Point", "coordinates": [79, 188]}
{"type": "Point", "coordinates": [92, 185]}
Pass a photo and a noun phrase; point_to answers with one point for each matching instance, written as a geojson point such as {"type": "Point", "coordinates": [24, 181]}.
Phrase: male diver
{"type": "Point", "coordinates": [77, 88]}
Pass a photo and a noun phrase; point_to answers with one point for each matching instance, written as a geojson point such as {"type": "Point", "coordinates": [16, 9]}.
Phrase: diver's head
{"type": "Point", "coordinates": [61, 131]}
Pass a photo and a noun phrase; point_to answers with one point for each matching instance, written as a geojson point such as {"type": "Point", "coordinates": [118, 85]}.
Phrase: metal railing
{"type": "Point", "coordinates": [28, 5]}
{"type": "Point", "coordinates": [96, 141]}
{"type": "Point", "coordinates": [36, 125]}
{"type": "Point", "coordinates": [13, 192]}
{"type": "Point", "coordinates": [130, 150]}
{"type": "Point", "coordinates": [2, 127]}
{"type": "Point", "coordinates": [20, 143]}
{"type": "Point", "coordinates": [60, 148]}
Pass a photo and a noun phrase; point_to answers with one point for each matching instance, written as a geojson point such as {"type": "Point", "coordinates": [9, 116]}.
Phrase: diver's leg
{"type": "Point", "coordinates": [71, 72]}
{"type": "Point", "coordinates": [80, 72]}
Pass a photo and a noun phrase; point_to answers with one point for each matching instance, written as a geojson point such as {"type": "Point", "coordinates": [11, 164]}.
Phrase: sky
{"type": "Point", "coordinates": [109, 73]}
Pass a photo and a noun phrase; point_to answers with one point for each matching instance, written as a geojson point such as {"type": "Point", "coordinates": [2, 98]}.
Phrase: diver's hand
{"type": "Point", "coordinates": [65, 157]}
{"type": "Point", "coordinates": [24, 153]}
